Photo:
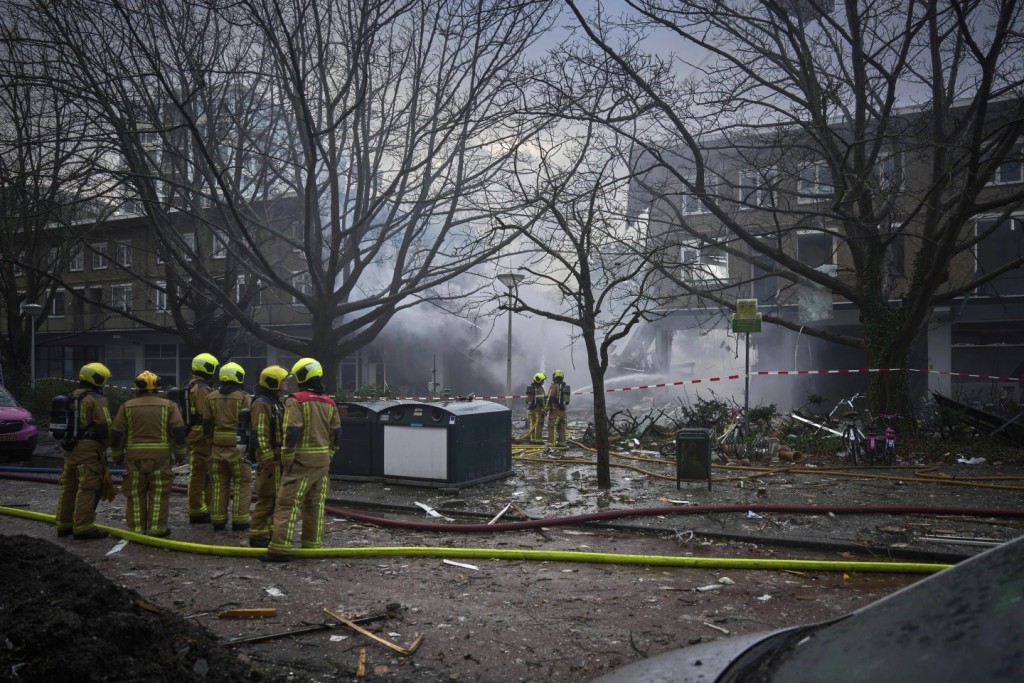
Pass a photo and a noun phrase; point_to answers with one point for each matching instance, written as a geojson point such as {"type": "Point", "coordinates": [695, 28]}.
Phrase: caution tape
{"type": "Point", "coordinates": [706, 380]}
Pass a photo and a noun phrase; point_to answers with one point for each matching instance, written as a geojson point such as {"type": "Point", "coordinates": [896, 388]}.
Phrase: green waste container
{"type": "Point", "coordinates": [693, 455]}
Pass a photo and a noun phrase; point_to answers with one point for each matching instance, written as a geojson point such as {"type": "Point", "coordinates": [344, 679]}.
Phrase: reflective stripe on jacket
{"type": "Point", "coordinates": [311, 420]}
{"type": "Point", "coordinates": [149, 425]}
{"type": "Point", "coordinates": [220, 413]}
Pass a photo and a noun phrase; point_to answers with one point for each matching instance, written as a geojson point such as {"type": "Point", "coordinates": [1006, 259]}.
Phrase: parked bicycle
{"type": "Point", "coordinates": [855, 442]}
{"type": "Point", "coordinates": [885, 449]}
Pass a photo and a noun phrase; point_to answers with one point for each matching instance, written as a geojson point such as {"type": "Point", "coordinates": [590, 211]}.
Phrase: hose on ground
{"type": "Point", "coordinates": [516, 555]}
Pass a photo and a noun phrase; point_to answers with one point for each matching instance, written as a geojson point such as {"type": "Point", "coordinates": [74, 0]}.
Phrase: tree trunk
{"type": "Point", "coordinates": [601, 443]}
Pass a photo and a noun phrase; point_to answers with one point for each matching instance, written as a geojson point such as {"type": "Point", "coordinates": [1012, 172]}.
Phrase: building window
{"type": "Point", "coordinates": [124, 253]}
{"type": "Point", "coordinates": [296, 235]}
{"type": "Point", "coordinates": [160, 296]}
{"type": "Point", "coordinates": [220, 248]}
{"type": "Point", "coordinates": [815, 182]}
{"type": "Point", "coordinates": [888, 172]}
{"type": "Point", "coordinates": [755, 189]}
{"type": "Point", "coordinates": [120, 360]}
{"type": "Point", "coordinates": [163, 360]}
{"type": "Point", "coordinates": [764, 286]}
{"type": "Point", "coordinates": [121, 298]}
{"type": "Point", "coordinates": [59, 304]}
{"type": "Point", "coordinates": [692, 204]}
{"type": "Point", "coordinates": [1000, 242]}
{"type": "Point", "coordinates": [304, 284]}
{"type": "Point", "coordinates": [1011, 170]}
{"type": "Point", "coordinates": [99, 256]}
{"type": "Point", "coordinates": [190, 242]}
{"type": "Point", "coordinates": [76, 259]}
{"type": "Point", "coordinates": [701, 262]}
{"type": "Point", "coordinates": [815, 249]}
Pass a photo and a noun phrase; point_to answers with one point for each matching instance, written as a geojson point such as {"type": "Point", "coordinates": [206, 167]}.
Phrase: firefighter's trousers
{"type": "Point", "coordinates": [266, 483]}
{"type": "Point", "coordinates": [232, 478]}
{"type": "Point", "coordinates": [305, 484]}
{"type": "Point", "coordinates": [147, 486]}
{"type": "Point", "coordinates": [200, 483]}
{"type": "Point", "coordinates": [81, 482]}
{"type": "Point", "coordinates": [536, 416]}
{"type": "Point", "coordinates": [556, 428]}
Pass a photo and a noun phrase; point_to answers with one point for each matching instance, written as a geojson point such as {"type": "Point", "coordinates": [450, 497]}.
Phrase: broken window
{"type": "Point", "coordinates": [701, 262]}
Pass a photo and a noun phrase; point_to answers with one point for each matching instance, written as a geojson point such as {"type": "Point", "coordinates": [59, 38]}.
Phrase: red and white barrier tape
{"type": "Point", "coordinates": [663, 385]}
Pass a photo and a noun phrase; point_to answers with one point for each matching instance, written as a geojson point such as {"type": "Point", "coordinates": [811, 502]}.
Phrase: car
{"type": "Point", "coordinates": [963, 624]}
{"type": "Point", "coordinates": [18, 430]}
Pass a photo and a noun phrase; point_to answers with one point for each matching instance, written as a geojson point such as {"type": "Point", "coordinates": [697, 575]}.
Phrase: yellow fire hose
{"type": "Point", "coordinates": [521, 555]}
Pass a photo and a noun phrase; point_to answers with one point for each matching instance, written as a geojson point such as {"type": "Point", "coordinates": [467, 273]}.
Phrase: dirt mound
{"type": "Point", "coordinates": [62, 620]}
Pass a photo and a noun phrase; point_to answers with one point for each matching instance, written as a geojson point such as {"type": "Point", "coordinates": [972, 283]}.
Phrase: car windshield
{"type": "Point", "coordinates": [6, 400]}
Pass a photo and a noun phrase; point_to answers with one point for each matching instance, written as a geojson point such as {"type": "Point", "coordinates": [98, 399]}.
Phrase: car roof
{"type": "Point", "coordinates": [965, 623]}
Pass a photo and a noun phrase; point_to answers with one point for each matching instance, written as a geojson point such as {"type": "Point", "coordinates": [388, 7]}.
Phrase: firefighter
{"type": "Point", "coordinates": [266, 437]}
{"type": "Point", "coordinates": [536, 402]}
{"type": "Point", "coordinates": [558, 400]}
{"type": "Point", "coordinates": [200, 483]}
{"type": "Point", "coordinates": [146, 430]}
{"type": "Point", "coordinates": [85, 465]}
{"type": "Point", "coordinates": [230, 471]}
{"type": "Point", "coordinates": [312, 427]}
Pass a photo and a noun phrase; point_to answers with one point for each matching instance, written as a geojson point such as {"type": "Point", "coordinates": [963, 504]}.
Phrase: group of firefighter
{"type": "Point", "coordinates": [550, 403]}
{"type": "Point", "coordinates": [290, 438]}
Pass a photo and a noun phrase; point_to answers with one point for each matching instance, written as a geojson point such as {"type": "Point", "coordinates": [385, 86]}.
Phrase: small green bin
{"type": "Point", "coordinates": [693, 455]}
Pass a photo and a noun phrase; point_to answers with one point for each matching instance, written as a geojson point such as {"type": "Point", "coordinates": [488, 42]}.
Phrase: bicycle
{"type": "Point", "coordinates": [735, 441]}
{"type": "Point", "coordinates": [855, 442]}
{"type": "Point", "coordinates": [888, 454]}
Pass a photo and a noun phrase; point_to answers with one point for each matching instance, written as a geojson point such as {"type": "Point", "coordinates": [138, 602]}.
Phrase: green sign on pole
{"type": "Point", "coordinates": [746, 324]}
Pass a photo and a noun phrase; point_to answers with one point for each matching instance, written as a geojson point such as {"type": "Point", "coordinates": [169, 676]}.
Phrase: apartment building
{"type": "Point", "coordinates": [776, 188]}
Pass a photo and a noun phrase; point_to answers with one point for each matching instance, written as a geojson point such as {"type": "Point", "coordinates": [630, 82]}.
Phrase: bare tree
{"type": "Point", "coordinates": [389, 128]}
{"type": "Point", "coordinates": [829, 105]}
{"type": "Point", "coordinates": [48, 154]}
{"type": "Point", "coordinates": [584, 252]}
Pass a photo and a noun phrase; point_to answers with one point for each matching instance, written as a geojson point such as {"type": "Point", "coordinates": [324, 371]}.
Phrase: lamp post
{"type": "Point", "coordinates": [33, 311]}
{"type": "Point", "coordinates": [510, 280]}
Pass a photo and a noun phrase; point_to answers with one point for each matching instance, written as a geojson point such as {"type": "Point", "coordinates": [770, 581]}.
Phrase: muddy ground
{"type": "Point", "coordinates": [97, 610]}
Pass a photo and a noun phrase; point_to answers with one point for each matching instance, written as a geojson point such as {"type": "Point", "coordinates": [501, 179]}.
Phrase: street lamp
{"type": "Point", "coordinates": [33, 311]}
{"type": "Point", "coordinates": [510, 280]}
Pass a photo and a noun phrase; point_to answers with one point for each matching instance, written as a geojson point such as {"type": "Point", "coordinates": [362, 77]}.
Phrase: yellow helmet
{"type": "Point", "coordinates": [558, 374]}
{"type": "Point", "coordinates": [94, 373]}
{"type": "Point", "coordinates": [233, 373]}
{"type": "Point", "coordinates": [306, 369]}
{"type": "Point", "coordinates": [273, 377]}
{"type": "Point", "coordinates": [539, 377]}
{"type": "Point", "coordinates": [205, 364]}
{"type": "Point", "coordinates": [147, 381]}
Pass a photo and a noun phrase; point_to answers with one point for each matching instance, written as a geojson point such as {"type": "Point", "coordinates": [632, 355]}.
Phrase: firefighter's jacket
{"type": "Point", "coordinates": [536, 399]}
{"type": "Point", "coordinates": [558, 396]}
{"type": "Point", "coordinates": [93, 417]}
{"type": "Point", "coordinates": [198, 390]}
{"type": "Point", "coordinates": [312, 426]}
{"type": "Point", "coordinates": [220, 414]}
{"type": "Point", "coordinates": [267, 420]}
{"type": "Point", "coordinates": [148, 425]}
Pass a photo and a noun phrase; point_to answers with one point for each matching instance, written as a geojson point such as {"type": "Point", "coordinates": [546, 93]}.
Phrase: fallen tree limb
{"type": "Point", "coordinates": [302, 630]}
{"type": "Point", "coordinates": [359, 629]}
